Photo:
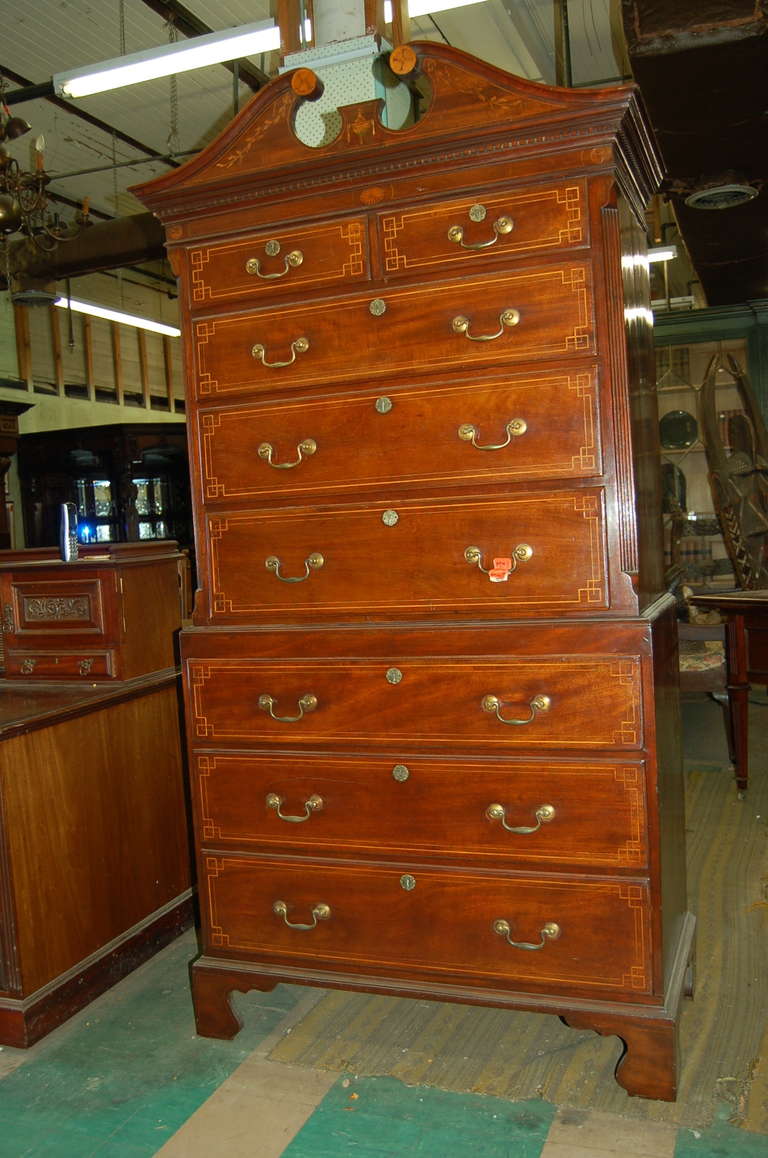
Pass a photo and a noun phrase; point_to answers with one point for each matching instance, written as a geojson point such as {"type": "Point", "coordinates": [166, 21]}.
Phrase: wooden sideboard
{"type": "Point", "coordinates": [94, 855]}
{"type": "Point", "coordinates": [431, 682]}
{"type": "Point", "coordinates": [111, 614]}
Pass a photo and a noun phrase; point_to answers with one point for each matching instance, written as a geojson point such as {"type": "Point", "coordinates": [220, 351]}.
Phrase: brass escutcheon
{"type": "Point", "coordinates": [400, 772]}
{"type": "Point", "coordinates": [378, 307]}
{"type": "Point", "coordinates": [394, 675]}
{"type": "Point", "coordinates": [407, 882]}
{"type": "Point", "coordinates": [390, 518]}
{"type": "Point", "coordinates": [383, 405]}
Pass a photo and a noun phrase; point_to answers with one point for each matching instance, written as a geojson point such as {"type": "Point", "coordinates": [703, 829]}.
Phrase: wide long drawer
{"type": "Point", "coordinates": [504, 319]}
{"type": "Point", "coordinates": [540, 552]}
{"type": "Point", "coordinates": [560, 812]}
{"type": "Point", "coordinates": [579, 702]}
{"type": "Point", "coordinates": [483, 229]}
{"type": "Point", "coordinates": [485, 928]}
{"type": "Point", "coordinates": [518, 427]}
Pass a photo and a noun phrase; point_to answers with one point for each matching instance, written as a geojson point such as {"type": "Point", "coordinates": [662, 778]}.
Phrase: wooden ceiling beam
{"type": "Point", "coordinates": [190, 25]}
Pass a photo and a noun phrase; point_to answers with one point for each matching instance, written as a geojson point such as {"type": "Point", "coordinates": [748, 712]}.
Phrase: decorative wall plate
{"type": "Point", "coordinates": [678, 430]}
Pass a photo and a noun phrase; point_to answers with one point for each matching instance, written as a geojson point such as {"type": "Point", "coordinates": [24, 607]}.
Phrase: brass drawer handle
{"type": "Point", "coordinates": [307, 447]}
{"type": "Point", "coordinates": [514, 428]}
{"type": "Point", "coordinates": [320, 912]}
{"type": "Point", "coordinates": [313, 804]}
{"type": "Point", "coordinates": [548, 932]}
{"type": "Point", "coordinates": [298, 346]}
{"type": "Point", "coordinates": [291, 261]}
{"type": "Point", "coordinates": [8, 621]}
{"type": "Point", "coordinates": [307, 703]}
{"type": "Point", "coordinates": [461, 324]}
{"type": "Point", "coordinates": [544, 813]}
{"type": "Point", "coordinates": [500, 226]}
{"type": "Point", "coordinates": [312, 563]}
{"type": "Point", "coordinates": [502, 567]}
{"type": "Point", "coordinates": [540, 703]}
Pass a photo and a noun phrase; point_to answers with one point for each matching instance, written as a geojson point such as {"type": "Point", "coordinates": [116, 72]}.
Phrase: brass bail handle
{"type": "Point", "coordinates": [502, 567]}
{"type": "Point", "coordinates": [298, 346]}
{"type": "Point", "coordinates": [544, 814]}
{"type": "Point", "coordinates": [320, 912]}
{"type": "Point", "coordinates": [312, 804]}
{"type": "Point", "coordinates": [461, 325]}
{"type": "Point", "coordinates": [307, 703]}
{"type": "Point", "coordinates": [549, 931]}
{"type": "Point", "coordinates": [306, 447]}
{"type": "Point", "coordinates": [501, 226]}
{"type": "Point", "coordinates": [539, 703]}
{"type": "Point", "coordinates": [467, 432]}
{"type": "Point", "coordinates": [291, 261]}
{"type": "Point", "coordinates": [312, 563]}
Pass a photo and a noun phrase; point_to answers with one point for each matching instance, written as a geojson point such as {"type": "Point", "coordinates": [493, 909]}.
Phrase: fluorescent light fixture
{"type": "Point", "coordinates": [197, 52]}
{"type": "Point", "coordinates": [427, 7]}
{"type": "Point", "coordinates": [117, 316]}
{"type": "Point", "coordinates": [663, 253]}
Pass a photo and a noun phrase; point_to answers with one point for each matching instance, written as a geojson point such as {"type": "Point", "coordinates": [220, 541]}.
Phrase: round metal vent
{"type": "Point", "coordinates": [721, 196]}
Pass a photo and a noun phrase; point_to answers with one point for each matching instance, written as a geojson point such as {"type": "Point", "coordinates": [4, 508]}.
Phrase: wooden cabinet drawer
{"type": "Point", "coordinates": [440, 554]}
{"type": "Point", "coordinates": [483, 228]}
{"type": "Point", "coordinates": [42, 665]}
{"type": "Point", "coordinates": [573, 813]}
{"type": "Point", "coordinates": [519, 427]}
{"type": "Point", "coordinates": [386, 918]}
{"type": "Point", "coordinates": [279, 262]}
{"type": "Point", "coordinates": [409, 330]}
{"type": "Point", "coordinates": [51, 606]}
{"type": "Point", "coordinates": [590, 701]}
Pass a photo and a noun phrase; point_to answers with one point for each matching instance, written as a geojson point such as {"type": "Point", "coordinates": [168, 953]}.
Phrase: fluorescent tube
{"type": "Point", "coordinates": [197, 52]}
{"type": "Point", "coordinates": [663, 253]}
{"type": "Point", "coordinates": [117, 316]}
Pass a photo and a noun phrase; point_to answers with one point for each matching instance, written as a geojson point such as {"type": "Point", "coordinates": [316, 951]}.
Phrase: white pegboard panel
{"type": "Point", "coordinates": [351, 71]}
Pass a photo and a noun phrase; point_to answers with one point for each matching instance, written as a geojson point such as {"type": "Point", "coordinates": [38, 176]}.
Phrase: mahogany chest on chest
{"type": "Point", "coordinates": [430, 686]}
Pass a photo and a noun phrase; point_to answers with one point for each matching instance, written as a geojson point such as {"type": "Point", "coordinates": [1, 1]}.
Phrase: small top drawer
{"type": "Point", "coordinates": [483, 229]}
{"type": "Point", "coordinates": [280, 261]}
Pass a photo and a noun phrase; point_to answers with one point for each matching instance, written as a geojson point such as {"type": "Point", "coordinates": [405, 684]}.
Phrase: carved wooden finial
{"type": "Point", "coordinates": [402, 60]}
{"type": "Point", "coordinates": [306, 84]}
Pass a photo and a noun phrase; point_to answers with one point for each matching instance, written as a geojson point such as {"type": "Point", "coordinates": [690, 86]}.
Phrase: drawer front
{"type": "Point", "coordinates": [575, 813]}
{"type": "Point", "coordinates": [42, 665]}
{"type": "Point", "coordinates": [280, 261]}
{"type": "Point", "coordinates": [39, 607]}
{"type": "Point", "coordinates": [588, 702]}
{"type": "Point", "coordinates": [384, 918]}
{"type": "Point", "coordinates": [520, 427]}
{"type": "Point", "coordinates": [483, 229]}
{"type": "Point", "coordinates": [536, 553]}
{"type": "Point", "coordinates": [416, 331]}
